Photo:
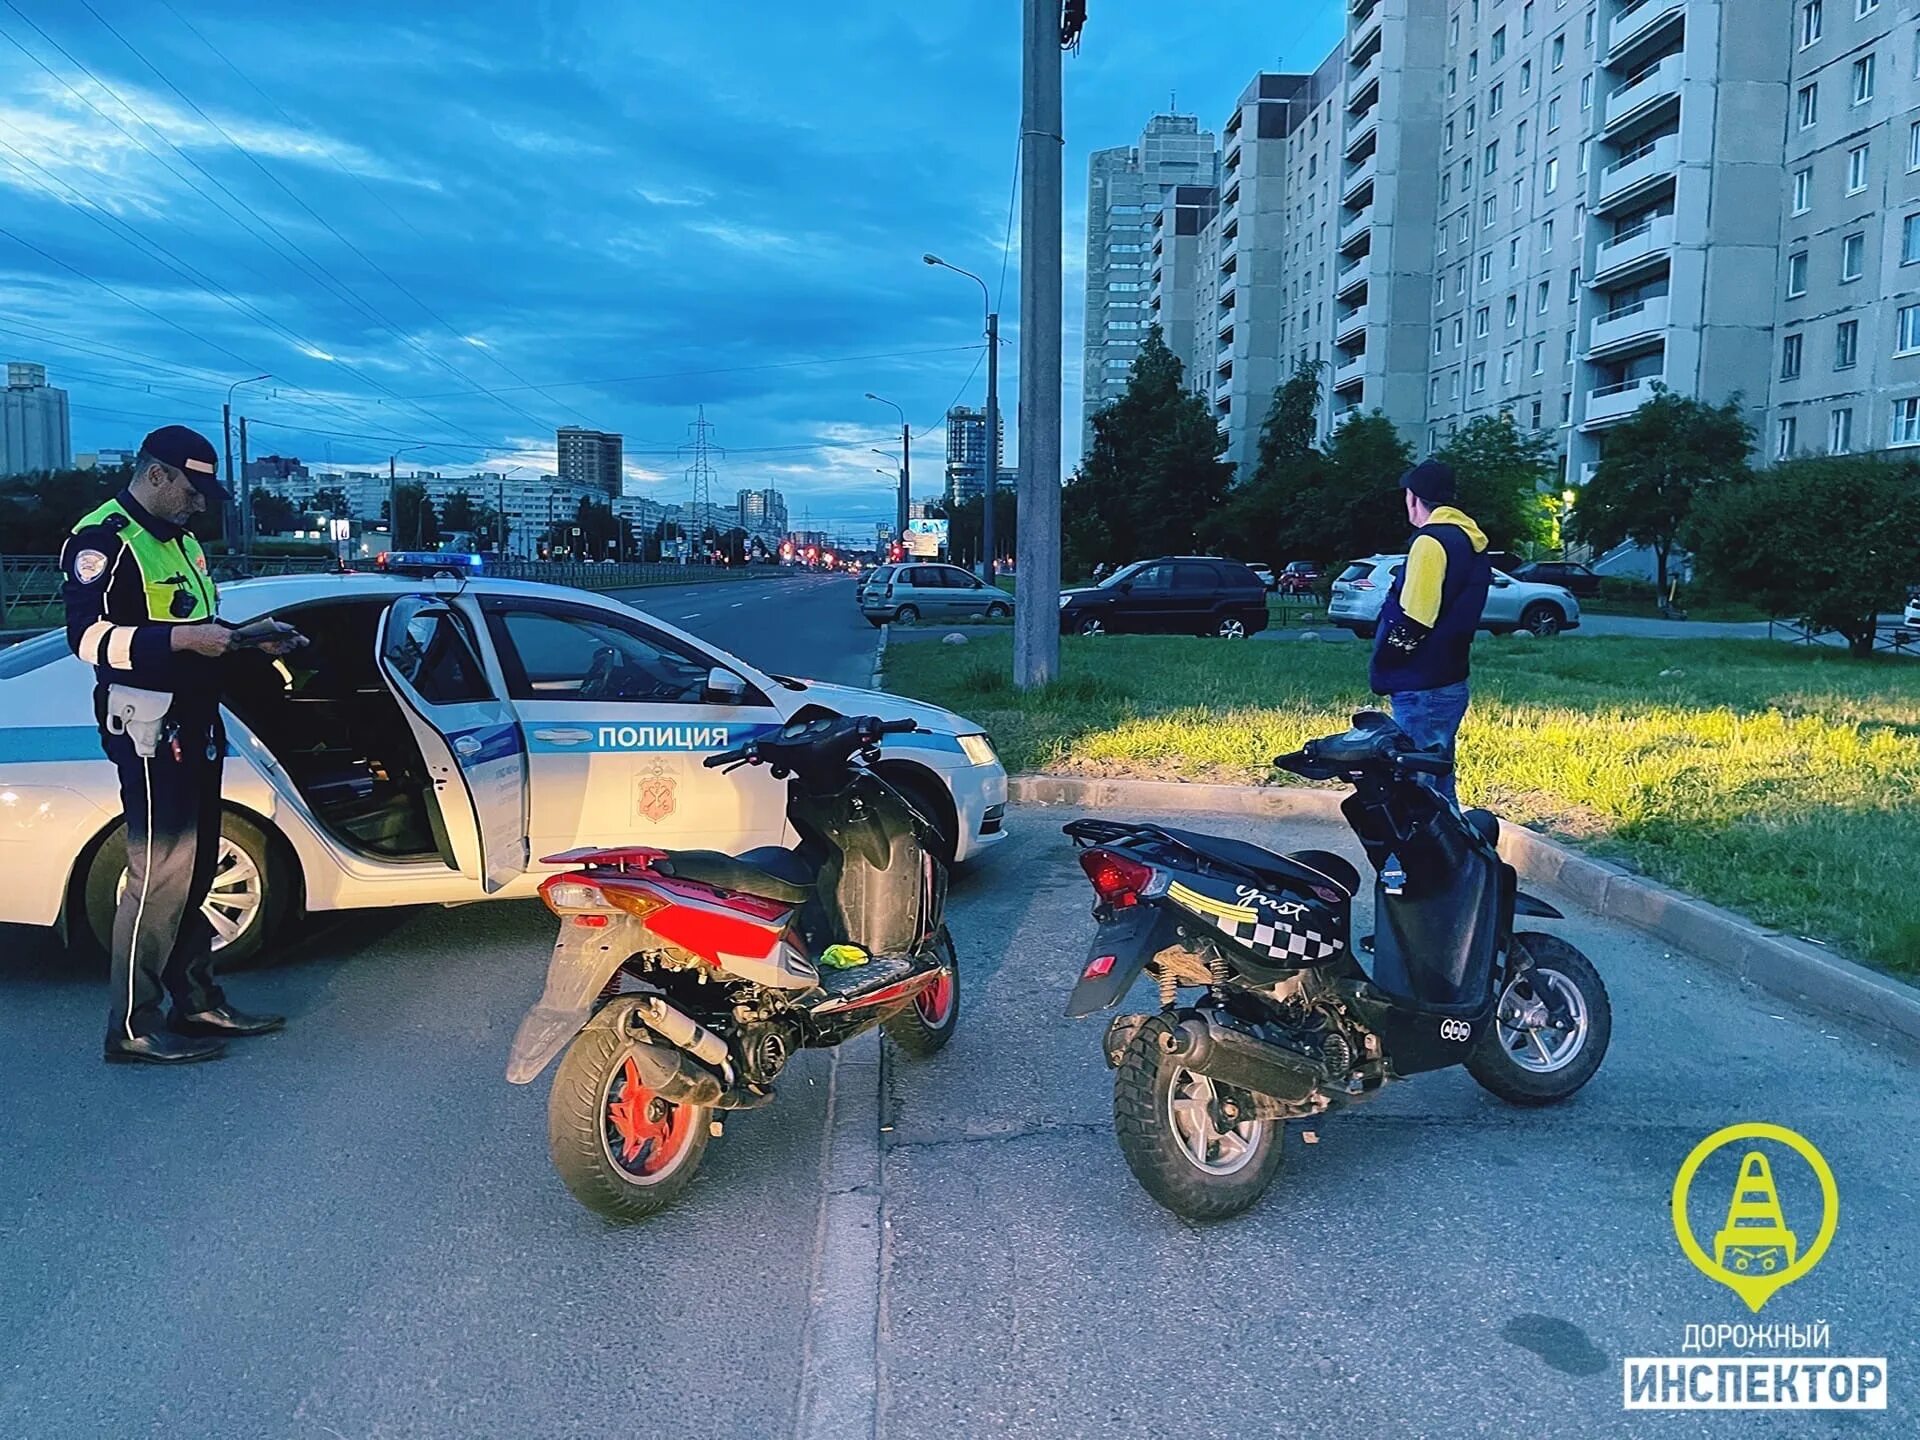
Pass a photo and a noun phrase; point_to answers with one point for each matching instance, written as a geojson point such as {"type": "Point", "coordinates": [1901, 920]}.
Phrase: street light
{"type": "Point", "coordinates": [906, 460]}
{"type": "Point", "coordinates": [240, 515]}
{"type": "Point", "coordinates": [393, 503]}
{"type": "Point", "coordinates": [992, 461]}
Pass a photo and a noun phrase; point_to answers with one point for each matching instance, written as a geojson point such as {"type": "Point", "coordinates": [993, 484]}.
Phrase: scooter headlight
{"type": "Point", "coordinates": [978, 749]}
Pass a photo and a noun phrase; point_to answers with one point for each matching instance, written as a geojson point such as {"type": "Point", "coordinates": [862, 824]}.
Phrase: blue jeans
{"type": "Point", "coordinates": [1432, 718]}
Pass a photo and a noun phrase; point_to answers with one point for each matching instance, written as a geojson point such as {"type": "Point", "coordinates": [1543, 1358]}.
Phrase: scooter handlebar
{"type": "Point", "coordinates": [730, 757]}
{"type": "Point", "coordinates": [1424, 762]}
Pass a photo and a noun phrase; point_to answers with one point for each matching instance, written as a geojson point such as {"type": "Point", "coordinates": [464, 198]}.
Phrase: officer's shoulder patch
{"type": "Point", "coordinates": [89, 566]}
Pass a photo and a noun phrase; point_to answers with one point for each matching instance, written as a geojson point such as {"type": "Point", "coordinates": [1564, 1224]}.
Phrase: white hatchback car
{"type": "Point", "coordinates": [1360, 590]}
{"type": "Point", "coordinates": [435, 739]}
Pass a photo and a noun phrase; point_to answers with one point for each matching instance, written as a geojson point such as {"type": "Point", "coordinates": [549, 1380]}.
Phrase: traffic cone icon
{"type": "Point", "coordinates": [1755, 1240]}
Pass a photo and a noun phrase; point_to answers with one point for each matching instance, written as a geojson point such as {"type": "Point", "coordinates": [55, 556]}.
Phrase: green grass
{"type": "Point", "coordinates": [1779, 781]}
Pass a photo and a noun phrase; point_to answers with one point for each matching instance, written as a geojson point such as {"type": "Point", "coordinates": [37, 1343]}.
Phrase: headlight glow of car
{"type": "Point", "coordinates": [978, 749]}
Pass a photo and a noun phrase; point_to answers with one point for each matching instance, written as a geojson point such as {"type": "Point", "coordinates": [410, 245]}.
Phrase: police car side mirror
{"type": "Point", "coordinates": [724, 687]}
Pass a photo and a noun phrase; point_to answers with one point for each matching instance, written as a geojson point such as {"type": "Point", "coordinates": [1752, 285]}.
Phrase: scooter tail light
{"type": "Point", "coordinates": [637, 903]}
{"type": "Point", "coordinates": [1118, 879]}
{"type": "Point", "coordinates": [565, 894]}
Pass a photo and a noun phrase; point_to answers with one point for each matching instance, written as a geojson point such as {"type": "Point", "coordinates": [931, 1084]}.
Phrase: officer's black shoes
{"type": "Point", "coordinates": [223, 1022]}
{"type": "Point", "coordinates": [161, 1049]}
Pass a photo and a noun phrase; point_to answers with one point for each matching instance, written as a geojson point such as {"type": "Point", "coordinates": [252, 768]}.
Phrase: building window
{"type": "Point", "coordinates": [1857, 169]}
{"type": "Point", "coordinates": [1472, 118]}
{"type": "Point", "coordinates": [1542, 296]}
{"type": "Point", "coordinates": [1853, 257]}
{"type": "Point", "coordinates": [1513, 253]}
{"type": "Point", "coordinates": [1453, 385]}
{"type": "Point", "coordinates": [1513, 311]}
{"type": "Point", "coordinates": [1559, 51]}
{"type": "Point", "coordinates": [1520, 138]}
{"type": "Point", "coordinates": [1846, 345]}
{"type": "Point", "coordinates": [1913, 146]}
{"type": "Point", "coordinates": [1910, 240]}
{"type": "Point", "coordinates": [1506, 368]}
{"type": "Point", "coordinates": [1446, 190]}
{"type": "Point", "coordinates": [1496, 100]}
{"type": "Point", "coordinates": [1526, 18]}
{"type": "Point", "coordinates": [1586, 149]}
{"type": "Point", "coordinates": [1864, 7]}
{"type": "Point", "coordinates": [1459, 331]}
{"type": "Point", "coordinates": [1499, 44]}
{"type": "Point", "coordinates": [1519, 195]}
{"type": "Point", "coordinates": [1433, 391]}
{"type": "Point", "coordinates": [1863, 80]}
{"type": "Point", "coordinates": [1802, 191]}
{"type": "Point", "coordinates": [1809, 106]}
{"type": "Point", "coordinates": [1453, 81]}
{"type": "Point", "coordinates": [1553, 113]}
{"type": "Point", "coordinates": [1790, 349]}
{"type": "Point", "coordinates": [1796, 274]}
{"type": "Point", "coordinates": [1491, 161]}
{"type": "Point", "coordinates": [1573, 286]}
{"type": "Point", "coordinates": [1536, 414]}
{"type": "Point", "coordinates": [1479, 376]}
{"type": "Point", "coordinates": [1539, 360]}
{"type": "Point", "coordinates": [1486, 268]}
{"type": "Point", "coordinates": [1489, 212]}
{"type": "Point", "coordinates": [1453, 31]}
{"type": "Point", "coordinates": [1526, 76]}
{"type": "Point", "coordinates": [1906, 331]}
{"type": "Point", "coordinates": [1905, 429]}
{"type": "Point", "coordinates": [1586, 92]}
{"type": "Point", "coordinates": [1553, 174]}
{"type": "Point", "coordinates": [1789, 433]}
{"type": "Point", "coordinates": [1460, 278]}
{"type": "Point", "coordinates": [1473, 65]}
{"type": "Point", "coordinates": [1483, 320]}
{"type": "Point", "coordinates": [1809, 23]}
{"type": "Point", "coordinates": [1840, 433]}
{"type": "Point", "coordinates": [1546, 236]}
{"type": "Point", "coordinates": [1592, 21]}
{"type": "Point", "coordinates": [1566, 349]}
{"type": "Point", "coordinates": [1439, 338]}
{"type": "Point", "coordinates": [1449, 135]}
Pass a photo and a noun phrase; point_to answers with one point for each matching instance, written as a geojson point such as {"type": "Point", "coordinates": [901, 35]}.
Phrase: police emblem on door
{"type": "Point", "coordinates": [653, 793]}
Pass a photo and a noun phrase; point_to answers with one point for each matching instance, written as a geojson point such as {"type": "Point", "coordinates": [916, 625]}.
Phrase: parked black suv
{"type": "Point", "coordinates": [1174, 595]}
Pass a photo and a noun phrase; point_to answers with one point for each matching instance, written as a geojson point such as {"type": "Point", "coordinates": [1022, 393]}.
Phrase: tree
{"type": "Point", "coordinates": [331, 500]}
{"type": "Point", "coordinates": [1257, 520]}
{"type": "Point", "coordinates": [963, 526]}
{"type": "Point", "coordinates": [1154, 472]}
{"type": "Point", "coordinates": [458, 513]}
{"type": "Point", "coordinates": [1503, 473]}
{"type": "Point", "coordinates": [1832, 540]}
{"type": "Point", "coordinates": [272, 514]}
{"type": "Point", "coordinates": [1352, 504]}
{"type": "Point", "coordinates": [429, 532]}
{"type": "Point", "coordinates": [1657, 463]}
{"type": "Point", "coordinates": [38, 511]}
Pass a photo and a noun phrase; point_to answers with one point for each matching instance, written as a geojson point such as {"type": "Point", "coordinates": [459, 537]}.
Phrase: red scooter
{"type": "Point", "coordinates": [684, 980]}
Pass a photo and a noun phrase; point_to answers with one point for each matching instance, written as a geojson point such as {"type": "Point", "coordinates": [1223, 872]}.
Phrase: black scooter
{"type": "Point", "coordinates": [1288, 1023]}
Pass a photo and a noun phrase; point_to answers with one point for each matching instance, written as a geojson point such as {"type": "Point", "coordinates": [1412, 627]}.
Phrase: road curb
{"type": "Point", "coordinates": [879, 681]}
{"type": "Point", "coordinates": [1807, 976]}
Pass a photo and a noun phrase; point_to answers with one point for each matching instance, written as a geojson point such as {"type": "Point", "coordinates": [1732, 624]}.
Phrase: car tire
{"type": "Point", "coordinates": [249, 870]}
{"type": "Point", "coordinates": [997, 611]}
{"type": "Point", "coordinates": [1544, 619]}
{"type": "Point", "coordinates": [1365, 632]}
{"type": "Point", "coordinates": [907, 615]}
{"type": "Point", "coordinates": [1230, 627]}
{"type": "Point", "coordinates": [1092, 626]}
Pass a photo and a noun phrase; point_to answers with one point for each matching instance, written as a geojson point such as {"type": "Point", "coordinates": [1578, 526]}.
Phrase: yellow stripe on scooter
{"type": "Point", "coordinates": [1207, 905]}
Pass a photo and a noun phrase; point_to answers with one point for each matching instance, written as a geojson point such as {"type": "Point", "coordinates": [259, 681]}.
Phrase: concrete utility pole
{"type": "Point", "coordinates": [246, 500]}
{"type": "Point", "coordinates": [1036, 634]}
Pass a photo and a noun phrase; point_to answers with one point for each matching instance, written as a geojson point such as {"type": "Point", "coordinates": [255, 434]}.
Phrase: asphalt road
{"type": "Point", "coordinates": [805, 625]}
{"type": "Point", "coordinates": [1439, 1265]}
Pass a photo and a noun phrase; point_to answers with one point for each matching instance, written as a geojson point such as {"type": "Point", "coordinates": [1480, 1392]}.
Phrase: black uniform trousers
{"type": "Point", "coordinates": [162, 942]}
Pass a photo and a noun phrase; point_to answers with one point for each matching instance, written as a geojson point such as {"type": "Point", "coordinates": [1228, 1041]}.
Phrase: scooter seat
{"type": "Point", "coordinates": [771, 872]}
{"type": "Point", "coordinates": [1243, 855]}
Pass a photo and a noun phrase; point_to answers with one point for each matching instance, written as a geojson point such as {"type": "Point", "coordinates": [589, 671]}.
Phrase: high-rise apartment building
{"type": "Point", "coordinates": [35, 430]}
{"type": "Point", "coordinates": [967, 453]}
{"type": "Point", "coordinates": [1126, 189]}
{"type": "Point", "coordinates": [1174, 260]}
{"type": "Point", "coordinates": [762, 511]}
{"type": "Point", "coordinates": [1542, 207]}
{"type": "Point", "coordinates": [591, 458]}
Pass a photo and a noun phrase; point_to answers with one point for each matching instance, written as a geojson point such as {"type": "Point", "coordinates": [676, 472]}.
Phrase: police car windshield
{"type": "Point", "coordinates": [30, 655]}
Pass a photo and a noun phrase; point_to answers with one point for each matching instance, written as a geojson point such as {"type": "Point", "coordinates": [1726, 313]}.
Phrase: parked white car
{"type": "Point", "coordinates": [432, 743]}
{"type": "Point", "coordinates": [1360, 590]}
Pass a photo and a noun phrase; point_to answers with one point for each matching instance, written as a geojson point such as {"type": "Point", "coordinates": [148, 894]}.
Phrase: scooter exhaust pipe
{"type": "Point", "coordinates": [674, 1075]}
{"type": "Point", "coordinates": [1231, 1057]}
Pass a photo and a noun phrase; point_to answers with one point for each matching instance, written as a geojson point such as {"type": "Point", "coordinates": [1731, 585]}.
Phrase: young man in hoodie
{"type": "Point", "coordinates": [1425, 635]}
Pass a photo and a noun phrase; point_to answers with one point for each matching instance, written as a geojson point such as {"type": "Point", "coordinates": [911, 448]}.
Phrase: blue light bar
{"type": "Point", "coordinates": [426, 562]}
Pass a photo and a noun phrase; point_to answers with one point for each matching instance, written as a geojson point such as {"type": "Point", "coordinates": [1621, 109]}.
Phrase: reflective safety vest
{"type": "Point", "coordinates": [173, 572]}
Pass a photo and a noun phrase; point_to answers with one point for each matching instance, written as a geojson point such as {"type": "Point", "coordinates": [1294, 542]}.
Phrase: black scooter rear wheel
{"type": "Point", "coordinates": [1531, 1064]}
{"type": "Point", "coordinates": [1187, 1154]}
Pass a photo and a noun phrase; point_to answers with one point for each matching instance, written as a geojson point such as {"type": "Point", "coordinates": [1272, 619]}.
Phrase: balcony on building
{"type": "Point", "coordinates": [1610, 404]}
{"type": "Point", "coordinates": [1638, 173]}
{"type": "Point", "coordinates": [1357, 188]}
{"type": "Point", "coordinates": [1646, 95]}
{"type": "Point", "coordinates": [1634, 251]}
{"type": "Point", "coordinates": [1223, 383]}
{"type": "Point", "coordinates": [1588, 471]}
{"type": "Point", "coordinates": [1350, 280]}
{"type": "Point", "coordinates": [1364, 39]}
{"type": "Point", "coordinates": [1363, 133]}
{"type": "Point", "coordinates": [1641, 325]}
{"type": "Point", "coordinates": [1350, 374]}
{"type": "Point", "coordinates": [1350, 326]}
{"type": "Point", "coordinates": [1356, 227]}
{"type": "Point", "coordinates": [1223, 335]}
{"type": "Point", "coordinates": [1364, 82]}
{"type": "Point", "coordinates": [1637, 30]}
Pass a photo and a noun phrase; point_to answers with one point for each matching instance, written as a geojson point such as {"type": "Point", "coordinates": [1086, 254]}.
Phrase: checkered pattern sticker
{"type": "Point", "coordinates": [1285, 943]}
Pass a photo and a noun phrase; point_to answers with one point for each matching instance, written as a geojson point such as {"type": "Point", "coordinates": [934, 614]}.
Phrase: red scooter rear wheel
{"type": "Point", "coordinates": [624, 1151]}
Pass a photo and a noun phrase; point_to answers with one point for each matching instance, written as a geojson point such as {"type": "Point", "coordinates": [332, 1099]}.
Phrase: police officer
{"type": "Point", "coordinates": [140, 610]}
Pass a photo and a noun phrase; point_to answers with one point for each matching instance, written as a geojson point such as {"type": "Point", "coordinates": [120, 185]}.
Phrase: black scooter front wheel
{"type": "Point", "coordinates": [925, 1026]}
{"type": "Point", "coordinates": [1551, 1028]}
{"type": "Point", "coordinates": [1187, 1140]}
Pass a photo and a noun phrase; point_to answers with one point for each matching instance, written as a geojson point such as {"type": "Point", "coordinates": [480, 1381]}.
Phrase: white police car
{"type": "Point", "coordinates": [436, 738]}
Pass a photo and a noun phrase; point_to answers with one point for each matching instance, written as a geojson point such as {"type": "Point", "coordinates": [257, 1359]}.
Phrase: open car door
{"type": "Point", "coordinates": [468, 736]}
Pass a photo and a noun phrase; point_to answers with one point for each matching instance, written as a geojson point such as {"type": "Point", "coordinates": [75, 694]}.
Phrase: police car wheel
{"type": "Point", "coordinates": [244, 904]}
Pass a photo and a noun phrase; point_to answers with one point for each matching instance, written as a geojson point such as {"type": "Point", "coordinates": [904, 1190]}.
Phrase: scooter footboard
{"type": "Point", "coordinates": [584, 959]}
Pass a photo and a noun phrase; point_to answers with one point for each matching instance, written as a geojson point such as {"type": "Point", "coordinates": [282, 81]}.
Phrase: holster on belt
{"type": "Point", "coordinates": [139, 715]}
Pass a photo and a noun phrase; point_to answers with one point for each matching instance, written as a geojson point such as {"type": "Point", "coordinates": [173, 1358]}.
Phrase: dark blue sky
{"type": "Point", "coordinates": [417, 214]}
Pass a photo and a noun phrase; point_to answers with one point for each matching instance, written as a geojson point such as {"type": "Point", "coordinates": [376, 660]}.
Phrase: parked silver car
{"type": "Point", "coordinates": [927, 591]}
{"type": "Point", "coordinates": [1360, 590]}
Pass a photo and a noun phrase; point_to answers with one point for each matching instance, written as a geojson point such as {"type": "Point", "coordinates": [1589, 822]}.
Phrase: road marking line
{"type": "Point", "coordinates": [694, 615]}
{"type": "Point", "coordinates": [736, 604]}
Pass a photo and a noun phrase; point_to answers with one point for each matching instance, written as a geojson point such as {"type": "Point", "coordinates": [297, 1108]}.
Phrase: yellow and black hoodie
{"type": "Point", "coordinates": [1433, 609]}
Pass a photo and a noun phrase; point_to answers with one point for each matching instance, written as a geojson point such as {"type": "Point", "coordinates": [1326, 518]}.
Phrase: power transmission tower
{"type": "Point", "coordinates": [701, 451]}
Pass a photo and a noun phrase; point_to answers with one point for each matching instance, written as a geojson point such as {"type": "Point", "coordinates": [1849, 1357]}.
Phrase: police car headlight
{"type": "Point", "coordinates": [978, 749]}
